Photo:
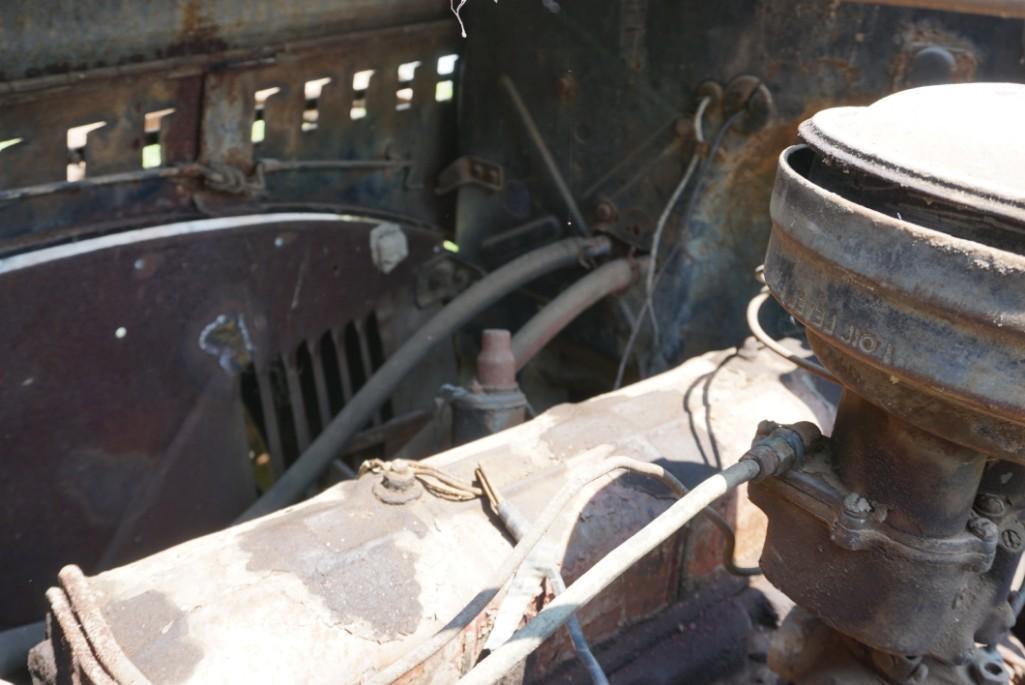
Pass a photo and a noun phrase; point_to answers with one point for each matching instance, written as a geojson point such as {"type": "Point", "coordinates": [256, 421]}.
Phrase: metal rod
{"type": "Point", "coordinates": [493, 668]}
{"type": "Point", "coordinates": [517, 525]}
{"type": "Point", "coordinates": [755, 326]}
{"type": "Point", "coordinates": [193, 170]}
{"type": "Point", "coordinates": [546, 156]}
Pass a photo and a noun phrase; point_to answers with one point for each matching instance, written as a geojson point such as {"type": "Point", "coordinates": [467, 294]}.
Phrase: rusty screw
{"type": "Point", "coordinates": [990, 505]}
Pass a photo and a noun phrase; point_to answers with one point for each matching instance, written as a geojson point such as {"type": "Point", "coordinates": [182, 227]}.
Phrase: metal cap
{"type": "Point", "coordinates": [961, 142]}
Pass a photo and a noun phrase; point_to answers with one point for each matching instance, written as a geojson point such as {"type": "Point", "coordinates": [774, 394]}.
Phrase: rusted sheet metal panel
{"type": "Point", "coordinates": [133, 345]}
{"type": "Point", "coordinates": [60, 36]}
{"type": "Point", "coordinates": [317, 142]}
{"type": "Point", "coordinates": [342, 585]}
{"type": "Point", "coordinates": [42, 124]}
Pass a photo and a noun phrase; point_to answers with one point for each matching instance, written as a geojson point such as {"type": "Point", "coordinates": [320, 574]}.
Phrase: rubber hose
{"type": "Point", "coordinates": [609, 278]}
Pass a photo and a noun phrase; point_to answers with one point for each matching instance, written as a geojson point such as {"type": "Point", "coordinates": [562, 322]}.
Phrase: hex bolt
{"type": "Point", "coordinates": [982, 528]}
{"type": "Point", "coordinates": [857, 506]}
{"type": "Point", "coordinates": [990, 505]}
{"type": "Point", "coordinates": [398, 477]}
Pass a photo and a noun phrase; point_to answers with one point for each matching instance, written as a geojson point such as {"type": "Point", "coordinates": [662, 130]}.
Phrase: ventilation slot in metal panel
{"type": "Point", "coordinates": [292, 401]}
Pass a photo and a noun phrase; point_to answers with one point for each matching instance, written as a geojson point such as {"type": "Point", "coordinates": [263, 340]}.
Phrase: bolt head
{"type": "Point", "coordinates": [857, 505]}
{"type": "Point", "coordinates": [990, 505]}
{"type": "Point", "coordinates": [982, 528]}
{"type": "Point", "coordinates": [399, 477]}
{"type": "Point", "coordinates": [605, 212]}
{"type": "Point", "coordinates": [398, 484]}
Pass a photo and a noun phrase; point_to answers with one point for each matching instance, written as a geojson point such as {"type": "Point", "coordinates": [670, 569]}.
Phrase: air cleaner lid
{"type": "Point", "coordinates": [961, 142]}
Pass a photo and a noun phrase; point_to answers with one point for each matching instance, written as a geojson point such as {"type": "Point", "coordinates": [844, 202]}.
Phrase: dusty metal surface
{"type": "Point", "coordinates": [122, 34]}
{"type": "Point", "coordinates": [341, 585]}
{"type": "Point", "coordinates": [125, 412]}
{"type": "Point", "coordinates": [891, 140]}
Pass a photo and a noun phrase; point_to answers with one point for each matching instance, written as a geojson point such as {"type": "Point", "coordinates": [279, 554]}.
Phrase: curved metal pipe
{"type": "Point", "coordinates": [755, 326]}
{"type": "Point", "coordinates": [609, 278]}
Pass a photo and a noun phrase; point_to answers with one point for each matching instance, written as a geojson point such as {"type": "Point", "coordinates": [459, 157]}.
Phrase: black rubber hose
{"type": "Point", "coordinates": [609, 278]}
{"type": "Point", "coordinates": [360, 409]}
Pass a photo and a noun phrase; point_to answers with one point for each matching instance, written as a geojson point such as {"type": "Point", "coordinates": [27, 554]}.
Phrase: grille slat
{"type": "Point", "coordinates": [301, 391]}
{"type": "Point", "coordinates": [320, 382]}
{"type": "Point", "coordinates": [295, 396]}
{"type": "Point", "coordinates": [270, 428]}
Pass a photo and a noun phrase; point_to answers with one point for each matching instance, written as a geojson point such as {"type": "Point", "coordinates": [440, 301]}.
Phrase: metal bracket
{"type": "Point", "coordinates": [470, 171]}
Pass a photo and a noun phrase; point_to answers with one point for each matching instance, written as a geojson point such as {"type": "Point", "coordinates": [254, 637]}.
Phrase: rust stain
{"type": "Point", "coordinates": [197, 34]}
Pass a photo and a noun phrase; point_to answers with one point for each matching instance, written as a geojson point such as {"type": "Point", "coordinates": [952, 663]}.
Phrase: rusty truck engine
{"type": "Point", "coordinates": [553, 342]}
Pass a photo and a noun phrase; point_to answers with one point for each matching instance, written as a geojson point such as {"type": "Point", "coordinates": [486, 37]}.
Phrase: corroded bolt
{"type": "Point", "coordinates": [982, 528]}
{"type": "Point", "coordinates": [990, 505]}
{"type": "Point", "coordinates": [399, 477]}
{"type": "Point", "coordinates": [857, 506]}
